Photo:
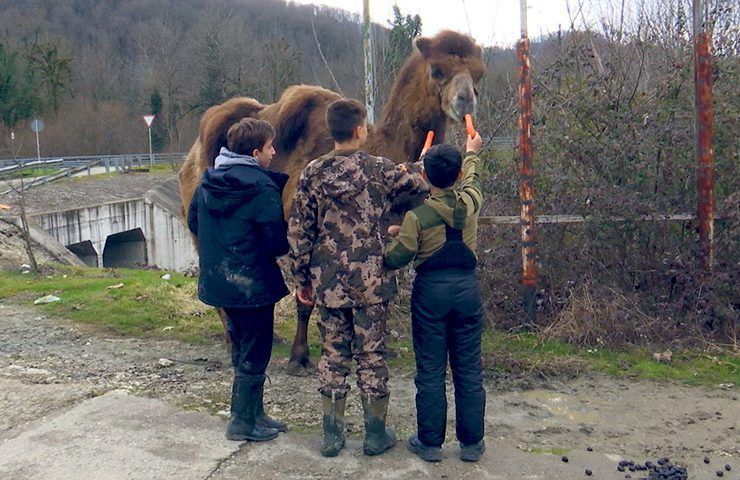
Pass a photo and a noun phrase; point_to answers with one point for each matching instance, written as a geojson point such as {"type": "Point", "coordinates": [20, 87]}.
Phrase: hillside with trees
{"type": "Point", "coordinates": [91, 68]}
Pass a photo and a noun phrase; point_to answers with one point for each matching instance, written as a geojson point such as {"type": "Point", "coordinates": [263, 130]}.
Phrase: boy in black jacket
{"type": "Point", "coordinates": [237, 216]}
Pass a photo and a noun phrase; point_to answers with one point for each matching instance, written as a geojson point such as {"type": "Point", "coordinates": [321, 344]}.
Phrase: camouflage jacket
{"type": "Point", "coordinates": [335, 230]}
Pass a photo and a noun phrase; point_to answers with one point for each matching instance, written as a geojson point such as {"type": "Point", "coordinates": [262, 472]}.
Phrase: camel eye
{"type": "Point", "coordinates": [437, 73]}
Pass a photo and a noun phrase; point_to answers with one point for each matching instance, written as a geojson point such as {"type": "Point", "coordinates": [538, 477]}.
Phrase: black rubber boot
{"type": "Point", "coordinates": [378, 437]}
{"type": "Point", "coordinates": [242, 425]}
{"type": "Point", "coordinates": [261, 417]}
{"type": "Point", "coordinates": [425, 452]}
{"type": "Point", "coordinates": [333, 425]}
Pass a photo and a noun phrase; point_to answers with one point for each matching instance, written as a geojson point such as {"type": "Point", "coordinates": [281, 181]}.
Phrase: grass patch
{"type": "Point", "coordinates": [550, 451]}
{"type": "Point", "coordinates": [528, 353]}
{"type": "Point", "coordinates": [145, 306]}
{"type": "Point", "coordinates": [151, 307]}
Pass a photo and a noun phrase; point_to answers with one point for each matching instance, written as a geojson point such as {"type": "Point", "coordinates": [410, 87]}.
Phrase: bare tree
{"type": "Point", "coordinates": [19, 189]}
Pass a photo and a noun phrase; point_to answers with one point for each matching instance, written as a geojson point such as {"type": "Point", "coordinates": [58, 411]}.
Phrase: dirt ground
{"type": "Point", "coordinates": [48, 364]}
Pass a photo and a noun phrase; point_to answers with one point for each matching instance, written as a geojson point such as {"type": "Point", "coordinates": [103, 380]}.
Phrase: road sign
{"type": "Point", "coordinates": [37, 125]}
{"type": "Point", "coordinates": [149, 119]}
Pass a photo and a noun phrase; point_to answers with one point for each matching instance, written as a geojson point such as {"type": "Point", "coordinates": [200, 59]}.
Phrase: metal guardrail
{"type": "Point", "coordinates": [134, 159]}
{"type": "Point", "coordinates": [35, 163]}
{"type": "Point", "coordinates": [63, 173]}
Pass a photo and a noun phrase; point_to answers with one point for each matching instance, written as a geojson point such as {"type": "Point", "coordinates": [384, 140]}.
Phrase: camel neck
{"type": "Point", "coordinates": [412, 109]}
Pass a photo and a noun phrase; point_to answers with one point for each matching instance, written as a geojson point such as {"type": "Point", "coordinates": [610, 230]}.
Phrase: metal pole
{"type": "Point", "coordinates": [703, 125]}
{"type": "Point", "coordinates": [526, 171]}
{"type": "Point", "coordinates": [368, 48]}
{"type": "Point", "coordinates": [151, 156]}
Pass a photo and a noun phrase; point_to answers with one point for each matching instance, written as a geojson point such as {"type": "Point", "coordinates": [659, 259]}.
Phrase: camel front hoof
{"type": "Point", "coordinates": [301, 367]}
{"type": "Point", "coordinates": [295, 369]}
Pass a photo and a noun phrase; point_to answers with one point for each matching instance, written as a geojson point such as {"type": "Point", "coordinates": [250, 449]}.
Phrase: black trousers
{"type": "Point", "coordinates": [250, 330]}
{"type": "Point", "coordinates": [447, 319]}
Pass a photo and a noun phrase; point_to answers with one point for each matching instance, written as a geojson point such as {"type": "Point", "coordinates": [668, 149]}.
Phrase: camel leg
{"type": "Point", "coordinates": [300, 364]}
{"type": "Point", "coordinates": [225, 322]}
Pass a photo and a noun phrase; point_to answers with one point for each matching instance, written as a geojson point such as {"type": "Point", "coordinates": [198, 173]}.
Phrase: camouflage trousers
{"type": "Point", "coordinates": [353, 333]}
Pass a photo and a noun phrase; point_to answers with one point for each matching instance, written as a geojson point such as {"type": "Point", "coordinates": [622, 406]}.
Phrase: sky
{"type": "Point", "coordinates": [491, 22]}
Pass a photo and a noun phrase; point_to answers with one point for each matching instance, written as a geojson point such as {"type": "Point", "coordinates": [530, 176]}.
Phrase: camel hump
{"type": "Point", "coordinates": [217, 120]}
{"type": "Point", "coordinates": [298, 107]}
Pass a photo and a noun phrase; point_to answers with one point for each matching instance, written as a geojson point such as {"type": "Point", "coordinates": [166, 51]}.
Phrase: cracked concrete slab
{"type": "Point", "coordinates": [23, 402]}
{"type": "Point", "coordinates": [118, 436]}
{"type": "Point", "coordinates": [295, 457]}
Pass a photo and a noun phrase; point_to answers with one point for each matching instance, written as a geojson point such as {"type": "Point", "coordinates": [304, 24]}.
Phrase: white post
{"type": "Point", "coordinates": [368, 48]}
{"type": "Point", "coordinates": [151, 156]}
{"type": "Point", "coordinates": [38, 147]}
{"type": "Point", "coordinates": [523, 17]}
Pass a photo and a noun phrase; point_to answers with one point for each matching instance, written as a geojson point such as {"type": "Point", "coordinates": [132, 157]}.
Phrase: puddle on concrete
{"type": "Point", "coordinates": [561, 406]}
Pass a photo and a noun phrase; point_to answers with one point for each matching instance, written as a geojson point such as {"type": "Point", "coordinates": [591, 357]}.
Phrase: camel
{"type": "Point", "coordinates": [436, 84]}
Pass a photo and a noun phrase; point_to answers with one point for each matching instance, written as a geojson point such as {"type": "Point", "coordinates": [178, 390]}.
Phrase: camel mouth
{"type": "Point", "coordinates": [457, 115]}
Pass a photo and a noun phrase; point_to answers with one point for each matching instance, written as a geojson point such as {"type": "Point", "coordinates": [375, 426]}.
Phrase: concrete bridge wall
{"type": "Point", "coordinates": [156, 236]}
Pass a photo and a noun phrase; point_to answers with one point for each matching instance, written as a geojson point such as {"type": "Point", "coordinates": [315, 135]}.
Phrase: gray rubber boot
{"type": "Point", "coordinates": [378, 437]}
{"type": "Point", "coordinates": [333, 425]}
{"type": "Point", "coordinates": [261, 417]}
{"type": "Point", "coordinates": [242, 425]}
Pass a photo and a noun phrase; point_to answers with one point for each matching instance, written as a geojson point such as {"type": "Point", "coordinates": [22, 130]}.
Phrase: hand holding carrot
{"type": "Point", "coordinates": [474, 141]}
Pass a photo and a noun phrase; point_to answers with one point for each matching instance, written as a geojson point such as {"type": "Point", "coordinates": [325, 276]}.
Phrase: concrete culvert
{"type": "Point", "coordinates": [125, 250]}
{"type": "Point", "coordinates": [86, 252]}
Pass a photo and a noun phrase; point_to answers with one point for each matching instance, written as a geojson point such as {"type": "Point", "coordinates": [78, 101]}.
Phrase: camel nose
{"type": "Point", "coordinates": [465, 103]}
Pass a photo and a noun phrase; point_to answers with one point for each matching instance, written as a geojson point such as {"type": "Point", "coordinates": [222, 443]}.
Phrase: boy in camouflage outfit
{"type": "Point", "coordinates": [446, 311]}
{"type": "Point", "coordinates": [336, 250]}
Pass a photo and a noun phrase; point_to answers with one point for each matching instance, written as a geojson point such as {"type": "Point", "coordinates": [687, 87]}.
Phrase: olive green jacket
{"type": "Point", "coordinates": [423, 228]}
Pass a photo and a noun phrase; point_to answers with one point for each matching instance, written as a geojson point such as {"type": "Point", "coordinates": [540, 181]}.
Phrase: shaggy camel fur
{"type": "Point", "coordinates": [436, 83]}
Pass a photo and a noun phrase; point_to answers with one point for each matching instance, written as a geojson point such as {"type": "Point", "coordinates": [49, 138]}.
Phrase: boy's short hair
{"type": "Point", "coordinates": [442, 165]}
{"type": "Point", "coordinates": [248, 135]}
{"type": "Point", "coordinates": [343, 117]}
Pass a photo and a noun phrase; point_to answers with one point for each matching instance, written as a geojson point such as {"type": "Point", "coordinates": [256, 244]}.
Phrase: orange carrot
{"type": "Point", "coordinates": [428, 142]}
{"type": "Point", "coordinates": [469, 125]}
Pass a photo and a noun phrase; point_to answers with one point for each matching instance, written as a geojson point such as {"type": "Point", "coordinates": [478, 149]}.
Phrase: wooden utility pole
{"type": "Point", "coordinates": [369, 78]}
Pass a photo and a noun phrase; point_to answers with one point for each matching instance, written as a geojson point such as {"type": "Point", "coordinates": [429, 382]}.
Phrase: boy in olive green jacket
{"type": "Point", "coordinates": [446, 310]}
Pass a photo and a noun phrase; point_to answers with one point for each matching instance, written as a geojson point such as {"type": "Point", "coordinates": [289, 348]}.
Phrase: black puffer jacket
{"type": "Point", "coordinates": [237, 215]}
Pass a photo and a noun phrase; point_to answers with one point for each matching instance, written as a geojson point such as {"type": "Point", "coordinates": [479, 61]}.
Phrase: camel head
{"type": "Point", "coordinates": [454, 67]}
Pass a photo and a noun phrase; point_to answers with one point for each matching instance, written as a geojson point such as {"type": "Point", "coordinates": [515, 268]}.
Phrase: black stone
{"type": "Point", "coordinates": [706, 459]}
{"type": "Point", "coordinates": [564, 458]}
{"type": "Point", "coordinates": [589, 472]}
